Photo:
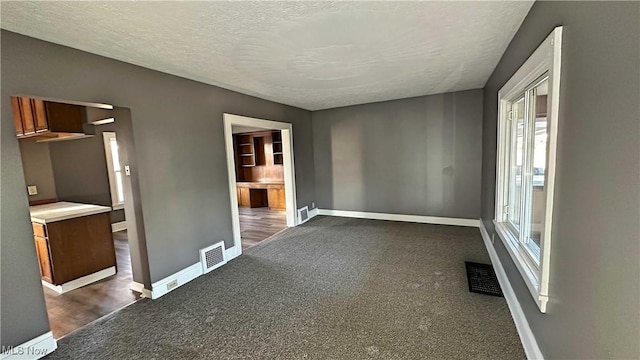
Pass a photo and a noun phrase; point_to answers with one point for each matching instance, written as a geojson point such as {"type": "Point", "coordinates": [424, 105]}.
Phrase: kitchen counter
{"type": "Point", "coordinates": [74, 244]}
{"type": "Point", "coordinates": [48, 213]}
{"type": "Point", "coordinates": [258, 184]}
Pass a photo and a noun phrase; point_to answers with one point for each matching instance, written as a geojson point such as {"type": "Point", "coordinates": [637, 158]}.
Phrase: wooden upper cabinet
{"type": "Point", "coordinates": [17, 115]}
{"type": "Point", "coordinates": [26, 111]}
{"type": "Point", "coordinates": [64, 117]}
{"type": "Point", "coordinates": [36, 118]}
{"type": "Point", "coordinates": [40, 115]}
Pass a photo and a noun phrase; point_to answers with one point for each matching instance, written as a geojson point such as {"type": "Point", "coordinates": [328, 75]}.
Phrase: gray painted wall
{"type": "Point", "coordinates": [417, 156]}
{"type": "Point", "coordinates": [74, 170]}
{"type": "Point", "coordinates": [22, 310]}
{"type": "Point", "coordinates": [180, 154]}
{"type": "Point", "coordinates": [133, 204]}
{"type": "Point", "coordinates": [80, 170]}
{"type": "Point", "coordinates": [594, 308]}
{"type": "Point", "coordinates": [36, 163]}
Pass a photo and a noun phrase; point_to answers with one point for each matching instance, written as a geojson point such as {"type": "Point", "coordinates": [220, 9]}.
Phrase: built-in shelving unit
{"type": "Point", "coordinates": [246, 151]}
{"type": "Point", "coordinates": [258, 156]}
{"type": "Point", "coordinates": [277, 147]}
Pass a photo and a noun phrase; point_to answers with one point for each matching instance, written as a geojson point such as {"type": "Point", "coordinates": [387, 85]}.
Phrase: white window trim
{"type": "Point", "coordinates": [115, 204]}
{"type": "Point", "coordinates": [546, 59]}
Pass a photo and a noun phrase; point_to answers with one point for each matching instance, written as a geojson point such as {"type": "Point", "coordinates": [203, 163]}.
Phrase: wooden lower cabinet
{"type": "Point", "coordinates": [243, 197]}
{"type": "Point", "coordinates": [255, 194]}
{"type": "Point", "coordinates": [276, 198]}
{"type": "Point", "coordinates": [42, 249]}
{"type": "Point", "coordinates": [73, 248]}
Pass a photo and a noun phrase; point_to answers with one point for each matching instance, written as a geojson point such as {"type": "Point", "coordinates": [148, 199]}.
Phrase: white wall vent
{"type": "Point", "coordinates": [213, 257]}
{"type": "Point", "coordinates": [303, 214]}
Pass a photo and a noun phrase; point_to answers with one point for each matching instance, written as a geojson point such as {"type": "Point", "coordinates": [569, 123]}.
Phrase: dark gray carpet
{"type": "Point", "coordinates": [333, 288]}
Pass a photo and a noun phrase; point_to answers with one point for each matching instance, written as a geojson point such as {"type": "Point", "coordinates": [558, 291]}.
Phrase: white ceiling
{"type": "Point", "coordinates": [313, 55]}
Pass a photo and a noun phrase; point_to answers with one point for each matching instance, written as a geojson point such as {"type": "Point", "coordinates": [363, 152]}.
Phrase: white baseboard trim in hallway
{"type": "Point", "coordinates": [33, 349]}
{"type": "Point", "coordinates": [399, 217]}
{"type": "Point", "coordinates": [160, 287]}
{"type": "Point", "coordinates": [531, 348]}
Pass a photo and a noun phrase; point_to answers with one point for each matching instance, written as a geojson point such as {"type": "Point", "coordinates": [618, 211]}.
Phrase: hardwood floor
{"type": "Point", "coordinates": [74, 309]}
{"type": "Point", "coordinates": [257, 224]}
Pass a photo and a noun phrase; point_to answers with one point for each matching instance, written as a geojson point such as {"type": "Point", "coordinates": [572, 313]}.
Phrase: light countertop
{"type": "Point", "coordinates": [249, 183]}
{"type": "Point", "coordinates": [63, 211]}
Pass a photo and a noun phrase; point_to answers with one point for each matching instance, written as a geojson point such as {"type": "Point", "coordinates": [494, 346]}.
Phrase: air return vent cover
{"type": "Point", "coordinates": [213, 257]}
{"type": "Point", "coordinates": [303, 214]}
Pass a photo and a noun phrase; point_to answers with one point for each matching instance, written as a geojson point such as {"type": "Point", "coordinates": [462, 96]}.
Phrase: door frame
{"type": "Point", "coordinates": [229, 120]}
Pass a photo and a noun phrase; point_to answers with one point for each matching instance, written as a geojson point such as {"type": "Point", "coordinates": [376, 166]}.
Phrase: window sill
{"type": "Point", "coordinates": [117, 206]}
{"type": "Point", "coordinates": [529, 276]}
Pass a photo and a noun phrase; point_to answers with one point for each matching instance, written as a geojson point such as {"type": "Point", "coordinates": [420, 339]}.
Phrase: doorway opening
{"type": "Point", "coordinates": [77, 183]}
{"type": "Point", "coordinates": [261, 178]}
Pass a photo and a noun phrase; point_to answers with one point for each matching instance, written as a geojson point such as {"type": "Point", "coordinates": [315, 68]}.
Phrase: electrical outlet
{"type": "Point", "coordinates": [313, 205]}
{"type": "Point", "coordinates": [172, 284]}
{"type": "Point", "coordinates": [32, 190]}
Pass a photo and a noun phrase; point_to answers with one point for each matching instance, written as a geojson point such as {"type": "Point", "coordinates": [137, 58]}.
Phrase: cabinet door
{"type": "Point", "coordinates": [17, 115]}
{"type": "Point", "coordinates": [245, 200]}
{"type": "Point", "coordinates": [28, 126]}
{"type": "Point", "coordinates": [42, 250]}
{"type": "Point", "coordinates": [276, 198]}
{"type": "Point", "coordinates": [40, 115]}
{"type": "Point", "coordinates": [64, 117]}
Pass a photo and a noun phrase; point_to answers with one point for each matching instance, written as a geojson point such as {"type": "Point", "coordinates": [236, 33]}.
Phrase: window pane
{"type": "Point", "coordinates": [119, 187]}
{"type": "Point", "coordinates": [114, 154]}
{"type": "Point", "coordinates": [516, 161]}
{"type": "Point", "coordinates": [537, 188]}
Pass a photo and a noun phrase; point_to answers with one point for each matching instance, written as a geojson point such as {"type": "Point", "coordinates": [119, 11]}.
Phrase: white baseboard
{"type": "Point", "coordinates": [139, 288]}
{"type": "Point", "coordinates": [183, 276]}
{"type": "Point", "coordinates": [399, 217]}
{"type": "Point", "coordinates": [233, 252]}
{"type": "Point", "coordinates": [82, 281]}
{"type": "Point", "coordinates": [159, 288]}
{"type": "Point", "coordinates": [531, 348]}
{"type": "Point", "coordinates": [33, 349]}
{"type": "Point", "coordinates": [313, 213]}
{"type": "Point", "coordinates": [119, 226]}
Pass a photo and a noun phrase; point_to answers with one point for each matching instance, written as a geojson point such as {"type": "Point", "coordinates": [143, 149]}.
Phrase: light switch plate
{"type": "Point", "coordinates": [127, 170]}
{"type": "Point", "coordinates": [32, 190]}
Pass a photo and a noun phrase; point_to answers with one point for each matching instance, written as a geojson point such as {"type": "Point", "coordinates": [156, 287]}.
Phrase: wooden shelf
{"type": "Point", "coordinates": [258, 155]}
{"type": "Point", "coordinates": [277, 148]}
{"type": "Point", "coordinates": [277, 159]}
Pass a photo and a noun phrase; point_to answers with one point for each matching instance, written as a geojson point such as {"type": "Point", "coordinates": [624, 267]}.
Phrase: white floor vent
{"type": "Point", "coordinates": [303, 214]}
{"type": "Point", "coordinates": [213, 257]}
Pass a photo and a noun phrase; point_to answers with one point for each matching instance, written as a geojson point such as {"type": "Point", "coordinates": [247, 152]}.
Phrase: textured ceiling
{"type": "Point", "coordinates": [314, 55]}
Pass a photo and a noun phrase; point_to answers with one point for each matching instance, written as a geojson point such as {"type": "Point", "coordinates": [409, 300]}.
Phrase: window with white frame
{"type": "Point", "coordinates": [527, 133]}
{"type": "Point", "coordinates": [114, 170]}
